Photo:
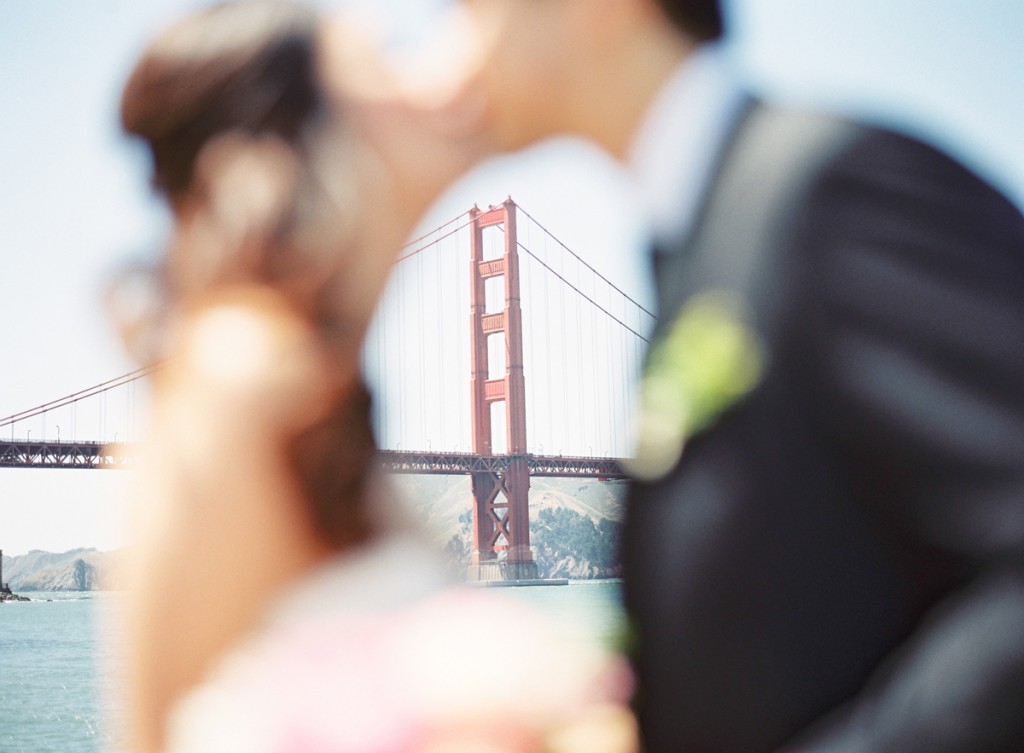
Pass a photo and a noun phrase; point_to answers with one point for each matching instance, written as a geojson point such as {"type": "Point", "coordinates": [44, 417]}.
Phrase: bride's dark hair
{"type": "Point", "coordinates": [245, 67]}
{"type": "Point", "coordinates": [231, 107]}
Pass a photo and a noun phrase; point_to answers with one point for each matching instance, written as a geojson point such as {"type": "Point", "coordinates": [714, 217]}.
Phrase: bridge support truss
{"type": "Point", "coordinates": [501, 514]}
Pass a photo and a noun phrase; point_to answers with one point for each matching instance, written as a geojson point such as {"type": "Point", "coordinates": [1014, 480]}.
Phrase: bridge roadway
{"type": "Point", "coordinates": [46, 454]}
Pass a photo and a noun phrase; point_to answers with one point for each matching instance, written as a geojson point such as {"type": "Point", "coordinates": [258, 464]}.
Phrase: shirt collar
{"type": "Point", "coordinates": [674, 150]}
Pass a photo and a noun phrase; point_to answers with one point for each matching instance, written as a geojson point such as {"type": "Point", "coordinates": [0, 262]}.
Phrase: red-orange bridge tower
{"type": "Point", "coordinates": [584, 339]}
{"type": "Point", "coordinates": [501, 515]}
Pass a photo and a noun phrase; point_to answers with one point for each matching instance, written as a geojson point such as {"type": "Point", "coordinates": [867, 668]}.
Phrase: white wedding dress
{"type": "Point", "coordinates": [377, 653]}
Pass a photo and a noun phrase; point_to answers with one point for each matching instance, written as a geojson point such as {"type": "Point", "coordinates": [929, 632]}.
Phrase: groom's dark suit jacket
{"type": "Point", "coordinates": [837, 564]}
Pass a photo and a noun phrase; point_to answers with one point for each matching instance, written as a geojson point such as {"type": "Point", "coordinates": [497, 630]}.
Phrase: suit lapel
{"type": "Point", "coordinates": [729, 277]}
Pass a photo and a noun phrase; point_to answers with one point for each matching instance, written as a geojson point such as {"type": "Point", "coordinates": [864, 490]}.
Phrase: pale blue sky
{"type": "Point", "coordinates": [74, 202]}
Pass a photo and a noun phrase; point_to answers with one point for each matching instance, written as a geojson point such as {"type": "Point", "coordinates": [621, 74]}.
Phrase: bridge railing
{"type": "Point", "coordinates": [454, 464]}
{"type": "Point", "coordinates": [45, 454]}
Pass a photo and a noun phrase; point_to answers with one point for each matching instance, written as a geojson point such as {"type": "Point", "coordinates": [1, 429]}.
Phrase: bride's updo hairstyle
{"type": "Point", "coordinates": [248, 152]}
{"type": "Point", "coordinates": [241, 67]}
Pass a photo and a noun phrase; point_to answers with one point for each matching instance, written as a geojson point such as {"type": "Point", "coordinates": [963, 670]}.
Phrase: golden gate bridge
{"type": "Point", "coordinates": [491, 295]}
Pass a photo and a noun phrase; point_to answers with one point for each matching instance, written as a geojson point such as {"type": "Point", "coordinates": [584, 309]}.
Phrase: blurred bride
{"type": "Point", "coordinates": [275, 603]}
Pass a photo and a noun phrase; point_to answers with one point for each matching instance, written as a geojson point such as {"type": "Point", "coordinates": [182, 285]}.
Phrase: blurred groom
{"type": "Point", "coordinates": [825, 543]}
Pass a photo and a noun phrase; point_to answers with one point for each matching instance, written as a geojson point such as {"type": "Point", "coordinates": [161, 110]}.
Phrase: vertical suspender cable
{"type": "Point", "coordinates": [421, 347]}
{"type": "Point", "coordinates": [441, 353]}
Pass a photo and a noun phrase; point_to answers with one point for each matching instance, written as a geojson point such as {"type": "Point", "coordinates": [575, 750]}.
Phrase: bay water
{"type": "Point", "coordinates": [57, 678]}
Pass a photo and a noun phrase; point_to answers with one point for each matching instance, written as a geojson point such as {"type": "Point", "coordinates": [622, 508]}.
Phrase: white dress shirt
{"type": "Point", "coordinates": [674, 150]}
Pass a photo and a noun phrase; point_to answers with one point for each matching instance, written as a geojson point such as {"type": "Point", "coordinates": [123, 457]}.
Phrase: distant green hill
{"type": "Point", "coordinates": [574, 523]}
{"type": "Point", "coordinates": [574, 528]}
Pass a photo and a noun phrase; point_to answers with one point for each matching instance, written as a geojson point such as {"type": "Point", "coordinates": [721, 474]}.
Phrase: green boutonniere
{"type": "Point", "coordinates": [707, 360]}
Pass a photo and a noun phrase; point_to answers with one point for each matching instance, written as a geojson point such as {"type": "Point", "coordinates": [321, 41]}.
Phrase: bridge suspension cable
{"type": "Point", "coordinates": [583, 295]}
{"type": "Point", "coordinates": [575, 288]}
{"type": "Point", "coordinates": [582, 352]}
{"type": "Point", "coordinates": [448, 232]}
{"type": "Point", "coordinates": [74, 397]}
{"type": "Point", "coordinates": [576, 256]}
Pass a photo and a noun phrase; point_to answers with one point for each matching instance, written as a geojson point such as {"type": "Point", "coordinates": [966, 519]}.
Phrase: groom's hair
{"type": "Point", "coordinates": [701, 20]}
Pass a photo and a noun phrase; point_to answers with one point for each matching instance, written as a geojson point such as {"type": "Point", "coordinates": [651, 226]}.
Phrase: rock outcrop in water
{"type": "Point", "coordinates": [7, 595]}
{"type": "Point", "coordinates": [76, 570]}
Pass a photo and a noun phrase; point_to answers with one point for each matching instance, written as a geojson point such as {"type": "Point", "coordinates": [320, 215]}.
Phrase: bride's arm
{"type": "Point", "coordinates": [221, 524]}
{"type": "Point", "coordinates": [226, 512]}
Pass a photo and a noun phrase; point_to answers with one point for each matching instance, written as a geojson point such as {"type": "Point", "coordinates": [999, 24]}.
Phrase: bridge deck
{"type": "Point", "coordinates": [95, 454]}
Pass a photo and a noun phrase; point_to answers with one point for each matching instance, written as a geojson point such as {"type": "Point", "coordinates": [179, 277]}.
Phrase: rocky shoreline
{"type": "Point", "coordinates": [7, 595]}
